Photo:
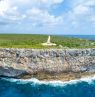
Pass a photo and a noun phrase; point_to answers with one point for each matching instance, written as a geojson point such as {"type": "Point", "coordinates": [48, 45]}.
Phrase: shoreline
{"type": "Point", "coordinates": [54, 83]}
{"type": "Point", "coordinates": [61, 77]}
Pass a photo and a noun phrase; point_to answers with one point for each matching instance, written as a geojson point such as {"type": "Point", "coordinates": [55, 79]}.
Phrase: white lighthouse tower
{"type": "Point", "coordinates": [48, 43]}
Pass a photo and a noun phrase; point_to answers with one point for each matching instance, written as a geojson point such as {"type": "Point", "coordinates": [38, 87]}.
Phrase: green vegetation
{"type": "Point", "coordinates": [34, 41]}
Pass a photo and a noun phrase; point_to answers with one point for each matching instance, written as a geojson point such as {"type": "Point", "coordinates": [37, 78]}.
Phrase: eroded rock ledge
{"type": "Point", "coordinates": [47, 64]}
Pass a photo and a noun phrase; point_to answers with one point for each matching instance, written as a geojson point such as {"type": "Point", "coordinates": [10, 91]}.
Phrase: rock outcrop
{"type": "Point", "coordinates": [44, 63]}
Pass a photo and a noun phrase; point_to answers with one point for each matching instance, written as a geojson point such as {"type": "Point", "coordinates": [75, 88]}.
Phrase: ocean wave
{"type": "Point", "coordinates": [32, 81]}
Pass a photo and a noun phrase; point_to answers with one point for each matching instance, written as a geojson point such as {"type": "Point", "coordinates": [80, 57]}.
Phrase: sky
{"type": "Point", "coordinates": [47, 17]}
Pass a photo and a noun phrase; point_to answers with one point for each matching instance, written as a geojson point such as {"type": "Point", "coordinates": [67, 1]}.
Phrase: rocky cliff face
{"type": "Point", "coordinates": [34, 62]}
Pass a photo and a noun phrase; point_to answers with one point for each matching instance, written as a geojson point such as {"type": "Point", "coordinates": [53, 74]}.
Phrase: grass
{"type": "Point", "coordinates": [34, 41]}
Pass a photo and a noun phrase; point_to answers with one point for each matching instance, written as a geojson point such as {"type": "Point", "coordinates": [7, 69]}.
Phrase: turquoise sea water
{"type": "Point", "coordinates": [34, 88]}
{"type": "Point", "coordinates": [90, 37]}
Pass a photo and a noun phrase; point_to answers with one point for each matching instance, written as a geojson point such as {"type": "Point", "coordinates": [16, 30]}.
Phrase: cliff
{"type": "Point", "coordinates": [47, 64]}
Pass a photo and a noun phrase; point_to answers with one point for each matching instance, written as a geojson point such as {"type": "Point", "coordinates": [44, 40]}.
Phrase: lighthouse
{"type": "Point", "coordinates": [48, 43]}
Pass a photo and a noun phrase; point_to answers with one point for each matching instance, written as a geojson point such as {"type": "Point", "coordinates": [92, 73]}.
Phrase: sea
{"type": "Point", "coordinates": [84, 87]}
{"type": "Point", "coordinates": [89, 37]}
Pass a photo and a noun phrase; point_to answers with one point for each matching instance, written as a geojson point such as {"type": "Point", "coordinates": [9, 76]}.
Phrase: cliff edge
{"type": "Point", "coordinates": [47, 64]}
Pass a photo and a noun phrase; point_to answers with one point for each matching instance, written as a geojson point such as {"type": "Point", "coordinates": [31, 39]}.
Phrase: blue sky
{"type": "Point", "coordinates": [47, 16]}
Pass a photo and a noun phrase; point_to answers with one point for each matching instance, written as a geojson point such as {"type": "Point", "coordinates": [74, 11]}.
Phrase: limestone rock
{"type": "Point", "coordinates": [19, 61]}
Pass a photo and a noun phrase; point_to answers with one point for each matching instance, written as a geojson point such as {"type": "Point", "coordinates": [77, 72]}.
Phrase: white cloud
{"type": "Point", "coordinates": [83, 12]}
{"type": "Point", "coordinates": [90, 3]}
{"type": "Point", "coordinates": [44, 13]}
{"type": "Point", "coordinates": [43, 17]}
{"type": "Point", "coordinates": [80, 9]}
{"type": "Point", "coordinates": [13, 9]}
{"type": "Point", "coordinates": [85, 7]}
{"type": "Point", "coordinates": [36, 3]}
{"type": "Point", "coordinates": [8, 11]}
{"type": "Point", "coordinates": [4, 6]}
{"type": "Point", "coordinates": [51, 2]}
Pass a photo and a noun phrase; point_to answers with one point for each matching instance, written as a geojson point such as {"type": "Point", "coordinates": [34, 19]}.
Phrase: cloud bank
{"type": "Point", "coordinates": [42, 16]}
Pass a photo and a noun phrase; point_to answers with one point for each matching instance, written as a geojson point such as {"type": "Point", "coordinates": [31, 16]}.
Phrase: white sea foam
{"type": "Point", "coordinates": [32, 81]}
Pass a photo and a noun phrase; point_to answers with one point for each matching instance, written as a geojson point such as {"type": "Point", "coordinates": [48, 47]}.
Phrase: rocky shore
{"type": "Point", "coordinates": [47, 64]}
